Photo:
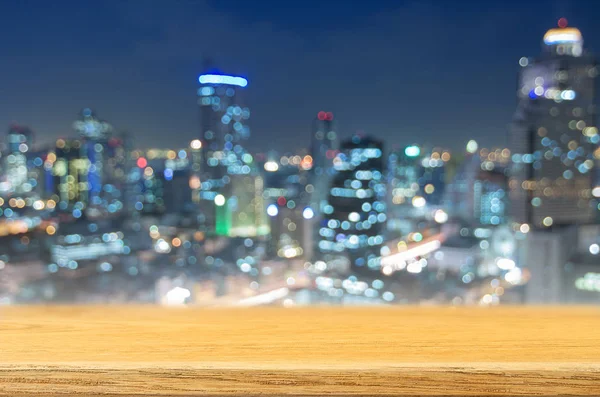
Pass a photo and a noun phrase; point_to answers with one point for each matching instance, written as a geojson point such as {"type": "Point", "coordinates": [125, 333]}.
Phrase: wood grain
{"type": "Point", "coordinates": [83, 350]}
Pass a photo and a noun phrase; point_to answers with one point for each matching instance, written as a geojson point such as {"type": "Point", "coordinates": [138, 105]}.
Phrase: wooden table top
{"type": "Point", "coordinates": [124, 350]}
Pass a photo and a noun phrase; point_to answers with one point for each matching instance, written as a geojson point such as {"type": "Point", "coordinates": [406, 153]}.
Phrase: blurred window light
{"type": "Point", "coordinates": [505, 263]}
{"type": "Point", "coordinates": [222, 79]}
{"type": "Point", "coordinates": [272, 210]}
{"type": "Point", "coordinates": [472, 146]}
{"type": "Point", "coordinates": [177, 296]}
{"type": "Point", "coordinates": [412, 151]}
{"type": "Point", "coordinates": [308, 213]}
{"type": "Point", "coordinates": [219, 200]}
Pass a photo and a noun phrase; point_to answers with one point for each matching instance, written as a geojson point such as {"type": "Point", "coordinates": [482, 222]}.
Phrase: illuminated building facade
{"type": "Point", "coordinates": [162, 181]}
{"type": "Point", "coordinates": [70, 171]}
{"type": "Point", "coordinates": [323, 145]}
{"type": "Point", "coordinates": [288, 193]}
{"type": "Point", "coordinates": [478, 192]}
{"type": "Point", "coordinates": [196, 169]}
{"type": "Point", "coordinates": [352, 229]}
{"type": "Point", "coordinates": [290, 229]}
{"type": "Point", "coordinates": [18, 144]}
{"type": "Point", "coordinates": [404, 169]}
{"type": "Point", "coordinates": [243, 213]}
{"type": "Point", "coordinates": [554, 138]}
{"type": "Point", "coordinates": [223, 130]}
{"type": "Point", "coordinates": [94, 134]}
{"type": "Point", "coordinates": [432, 179]}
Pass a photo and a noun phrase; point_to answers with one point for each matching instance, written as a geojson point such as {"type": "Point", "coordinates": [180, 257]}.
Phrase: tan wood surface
{"type": "Point", "coordinates": [124, 350]}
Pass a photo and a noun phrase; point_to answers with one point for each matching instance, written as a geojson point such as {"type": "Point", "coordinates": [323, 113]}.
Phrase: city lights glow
{"type": "Point", "coordinates": [402, 257]}
{"type": "Point", "coordinates": [177, 296]}
{"type": "Point", "coordinates": [219, 200]}
{"type": "Point", "coordinates": [589, 282]}
{"type": "Point", "coordinates": [567, 95]}
{"type": "Point", "coordinates": [222, 79]}
{"type": "Point", "coordinates": [271, 166]}
{"type": "Point", "coordinates": [524, 228]}
{"type": "Point", "coordinates": [228, 220]}
{"type": "Point", "coordinates": [412, 151]}
{"type": "Point", "coordinates": [265, 298]}
{"type": "Point", "coordinates": [562, 36]}
{"type": "Point", "coordinates": [308, 213]}
{"type": "Point", "coordinates": [505, 264]}
{"type": "Point", "coordinates": [514, 276]}
{"type": "Point", "coordinates": [472, 146]}
{"type": "Point", "coordinates": [440, 216]}
{"type": "Point", "coordinates": [523, 61]}
{"type": "Point", "coordinates": [272, 210]}
{"type": "Point", "coordinates": [419, 202]}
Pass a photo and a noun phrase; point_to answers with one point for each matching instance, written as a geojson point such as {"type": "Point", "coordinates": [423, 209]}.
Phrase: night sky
{"type": "Point", "coordinates": [437, 72]}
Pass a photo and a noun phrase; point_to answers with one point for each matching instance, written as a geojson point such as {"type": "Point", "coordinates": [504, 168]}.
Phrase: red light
{"type": "Point", "coordinates": [321, 115]}
{"type": "Point", "coordinates": [329, 116]}
{"type": "Point", "coordinates": [141, 162]}
{"type": "Point", "coordinates": [562, 23]}
{"type": "Point", "coordinates": [281, 201]}
{"type": "Point", "coordinates": [114, 142]}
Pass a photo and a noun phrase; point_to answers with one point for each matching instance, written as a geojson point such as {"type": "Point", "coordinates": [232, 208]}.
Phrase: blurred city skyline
{"type": "Point", "coordinates": [372, 160]}
{"type": "Point", "coordinates": [408, 72]}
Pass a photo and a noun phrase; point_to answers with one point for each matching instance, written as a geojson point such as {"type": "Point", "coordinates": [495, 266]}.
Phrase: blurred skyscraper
{"type": "Point", "coordinates": [554, 138]}
{"type": "Point", "coordinates": [323, 145]}
{"type": "Point", "coordinates": [70, 171]}
{"type": "Point", "coordinates": [19, 141]}
{"type": "Point", "coordinates": [228, 209]}
{"type": "Point", "coordinates": [353, 226]}
{"type": "Point", "coordinates": [95, 135]}
{"type": "Point", "coordinates": [477, 193]}
{"type": "Point", "coordinates": [404, 170]}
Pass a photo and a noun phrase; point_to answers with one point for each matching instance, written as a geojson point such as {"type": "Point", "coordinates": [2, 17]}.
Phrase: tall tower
{"type": "Point", "coordinates": [95, 134]}
{"type": "Point", "coordinates": [323, 145]}
{"type": "Point", "coordinates": [353, 225]}
{"type": "Point", "coordinates": [223, 131]}
{"type": "Point", "coordinates": [553, 136]}
{"type": "Point", "coordinates": [19, 140]}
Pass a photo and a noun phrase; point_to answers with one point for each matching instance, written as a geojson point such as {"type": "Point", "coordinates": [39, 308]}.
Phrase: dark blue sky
{"type": "Point", "coordinates": [406, 71]}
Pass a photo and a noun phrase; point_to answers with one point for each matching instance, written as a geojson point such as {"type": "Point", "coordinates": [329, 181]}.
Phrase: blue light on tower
{"type": "Point", "coordinates": [222, 79]}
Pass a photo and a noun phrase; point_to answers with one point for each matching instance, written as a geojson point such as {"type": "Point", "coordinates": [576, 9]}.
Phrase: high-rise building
{"type": "Point", "coordinates": [432, 179]}
{"type": "Point", "coordinates": [223, 130]}
{"type": "Point", "coordinates": [353, 226]}
{"type": "Point", "coordinates": [292, 218]}
{"type": "Point", "coordinates": [95, 135]}
{"type": "Point", "coordinates": [404, 170]}
{"type": "Point", "coordinates": [19, 141]}
{"type": "Point", "coordinates": [477, 193]}
{"type": "Point", "coordinates": [554, 138]}
{"type": "Point", "coordinates": [70, 171]}
{"type": "Point", "coordinates": [323, 146]}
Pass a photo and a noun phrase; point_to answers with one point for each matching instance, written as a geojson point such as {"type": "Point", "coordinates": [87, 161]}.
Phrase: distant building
{"type": "Point", "coordinates": [19, 142]}
{"type": "Point", "coordinates": [323, 146]}
{"type": "Point", "coordinates": [478, 192]}
{"type": "Point", "coordinates": [564, 265]}
{"type": "Point", "coordinates": [70, 172]}
{"type": "Point", "coordinates": [95, 135]}
{"type": "Point", "coordinates": [554, 136]}
{"type": "Point", "coordinates": [353, 226]}
{"type": "Point", "coordinates": [432, 179]}
{"type": "Point", "coordinates": [404, 170]}
{"type": "Point", "coordinates": [292, 217]}
{"type": "Point", "coordinates": [224, 128]}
